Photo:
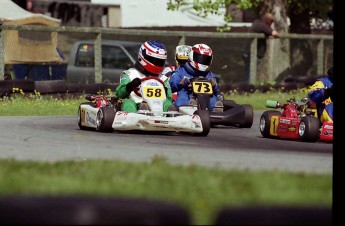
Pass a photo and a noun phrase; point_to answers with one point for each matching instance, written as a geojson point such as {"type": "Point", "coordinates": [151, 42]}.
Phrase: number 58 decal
{"type": "Point", "coordinates": [154, 92]}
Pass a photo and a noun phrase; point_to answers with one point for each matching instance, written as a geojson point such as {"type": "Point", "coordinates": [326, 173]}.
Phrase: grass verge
{"type": "Point", "coordinates": [201, 191]}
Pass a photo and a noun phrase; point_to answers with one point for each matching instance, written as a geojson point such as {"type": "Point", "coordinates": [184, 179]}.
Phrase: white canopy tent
{"type": "Point", "coordinates": [27, 46]}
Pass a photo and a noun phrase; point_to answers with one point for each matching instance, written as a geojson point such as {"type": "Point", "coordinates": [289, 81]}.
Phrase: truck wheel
{"type": "Point", "coordinates": [105, 119]}
{"type": "Point", "coordinates": [309, 129]}
{"type": "Point", "coordinates": [248, 116]}
{"type": "Point", "coordinates": [205, 121]}
{"type": "Point", "coordinates": [265, 122]}
{"type": "Point", "coordinates": [80, 116]}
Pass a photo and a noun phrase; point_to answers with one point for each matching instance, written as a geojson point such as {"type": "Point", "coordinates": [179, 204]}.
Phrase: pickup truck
{"type": "Point", "coordinates": [117, 56]}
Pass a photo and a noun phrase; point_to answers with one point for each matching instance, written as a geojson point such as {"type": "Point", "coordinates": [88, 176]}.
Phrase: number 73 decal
{"type": "Point", "coordinates": [202, 87]}
{"type": "Point", "coordinates": [154, 92]}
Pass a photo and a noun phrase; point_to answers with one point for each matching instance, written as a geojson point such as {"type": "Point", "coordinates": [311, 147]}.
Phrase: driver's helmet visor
{"type": "Point", "coordinates": [202, 59]}
{"type": "Point", "coordinates": [155, 61]}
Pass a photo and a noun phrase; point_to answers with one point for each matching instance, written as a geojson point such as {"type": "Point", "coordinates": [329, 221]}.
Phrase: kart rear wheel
{"type": "Point", "coordinates": [309, 129]}
{"type": "Point", "coordinates": [105, 119]}
{"type": "Point", "coordinates": [229, 102]}
{"type": "Point", "coordinates": [265, 122]}
{"type": "Point", "coordinates": [80, 116]}
{"type": "Point", "coordinates": [248, 116]}
{"type": "Point", "coordinates": [205, 121]}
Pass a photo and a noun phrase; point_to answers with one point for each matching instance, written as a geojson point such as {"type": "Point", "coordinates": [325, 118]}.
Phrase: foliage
{"type": "Point", "coordinates": [318, 8]}
{"type": "Point", "coordinates": [215, 7]}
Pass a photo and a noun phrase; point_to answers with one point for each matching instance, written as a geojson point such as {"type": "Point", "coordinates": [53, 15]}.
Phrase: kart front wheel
{"type": "Point", "coordinates": [265, 122]}
{"type": "Point", "coordinates": [309, 129]}
{"type": "Point", "coordinates": [205, 121]}
{"type": "Point", "coordinates": [105, 119]}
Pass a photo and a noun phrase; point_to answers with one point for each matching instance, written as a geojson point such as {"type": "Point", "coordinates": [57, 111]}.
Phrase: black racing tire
{"type": "Point", "coordinates": [80, 116]}
{"type": "Point", "coordinates": [309, 129]}
{"type": "Point", "coordinates": [105, 119]}
{"type": "Point", "coordinates": [274, 215]}
{"type": "Point", "coordinates": [248, 116]}
{"type": "Point", "coordinates": [265, 122]}
{"type": "Point", "coordinates": [205, 121]}
{"type": "Point", "coordinates": [89, 210]}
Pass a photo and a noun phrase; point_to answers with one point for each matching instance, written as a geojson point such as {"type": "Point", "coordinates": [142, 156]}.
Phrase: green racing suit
{"type": "Point", "coordinates": [130, 101]}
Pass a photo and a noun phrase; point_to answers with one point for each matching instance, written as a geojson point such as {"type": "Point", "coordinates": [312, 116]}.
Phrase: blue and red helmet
{"type": "Point", "coordinates": [152, 56]}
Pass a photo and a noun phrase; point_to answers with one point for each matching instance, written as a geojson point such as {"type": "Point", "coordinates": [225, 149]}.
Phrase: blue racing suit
{"type": "Point", "coordinates": [324, 103]}
{"type": "Point", "coordinates": [184, 93]}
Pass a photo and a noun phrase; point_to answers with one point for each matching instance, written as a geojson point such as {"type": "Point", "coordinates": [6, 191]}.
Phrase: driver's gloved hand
{"type": "Point", "coordinates": [133, 84]}
{"type": "Point", "coordinates": [185, 82]}
{"type": "Point", "coordinates": [328, 92]}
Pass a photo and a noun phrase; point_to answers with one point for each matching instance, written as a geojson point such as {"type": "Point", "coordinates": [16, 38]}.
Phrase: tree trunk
{"type": "Point", "coordinates": [277, 58]}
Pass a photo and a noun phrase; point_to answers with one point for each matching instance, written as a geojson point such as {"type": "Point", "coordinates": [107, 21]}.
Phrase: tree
{"type": "Point", "coordinates": [215, 7]}
{"type": "Point", "coordinates": [299, 12]}
{"type": "Point", "coordinates": [266, 71]}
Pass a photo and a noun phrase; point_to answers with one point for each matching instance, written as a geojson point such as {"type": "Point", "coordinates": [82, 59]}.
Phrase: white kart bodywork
{"type": "Point", "coordinates": [88, 115]}
{"type": "Point", "coordinates": [134, 121]}
{"type": "Point", "coordinates": [153, 93]}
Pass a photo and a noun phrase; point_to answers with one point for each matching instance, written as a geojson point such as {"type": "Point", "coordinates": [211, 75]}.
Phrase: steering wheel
{"type": "Point", "coordinates": [136, 89]}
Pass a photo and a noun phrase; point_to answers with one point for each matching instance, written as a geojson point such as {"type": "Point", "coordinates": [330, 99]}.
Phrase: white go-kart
{"type": "Point", "coordinates": [103, 113]}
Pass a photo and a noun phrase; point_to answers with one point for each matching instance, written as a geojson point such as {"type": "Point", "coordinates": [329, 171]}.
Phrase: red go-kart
{"type": "Point", "coordinates": [297, 121]}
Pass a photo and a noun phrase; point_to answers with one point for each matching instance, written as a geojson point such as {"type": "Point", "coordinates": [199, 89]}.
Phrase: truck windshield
{"type": "Point", "coordinates": [133, 50]}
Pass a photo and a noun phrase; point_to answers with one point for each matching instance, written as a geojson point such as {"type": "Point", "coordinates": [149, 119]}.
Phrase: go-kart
{"type": "Point", "coordinates": [297, 121]}
{"type": "Point", "coordinates": [103, 113]}
{"type": "Point", "coordinates": [231, 114]}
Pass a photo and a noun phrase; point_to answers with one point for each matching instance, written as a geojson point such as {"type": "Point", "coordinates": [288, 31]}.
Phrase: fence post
{"type": "Point", "coordinates": [182, 40]}
{"type": "Point", "coordinates": [2, 56]}
{"type": "Point", "coordinates": [253, 61]}
{"type": "Point", "coordinates": [320, 57]}
{"type": "Point", "coordinates": [98, 58]}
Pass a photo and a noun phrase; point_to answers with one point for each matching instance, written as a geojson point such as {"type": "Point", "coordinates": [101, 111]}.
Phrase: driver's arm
{"type": "Point", "coordinates": [174, 81]}
{"type": "Point", "coordinates": [168, 89]}
{"type": "Point", "coordinates": [121, 90]}
{"type": "Point", "coordinates": [316, 93]}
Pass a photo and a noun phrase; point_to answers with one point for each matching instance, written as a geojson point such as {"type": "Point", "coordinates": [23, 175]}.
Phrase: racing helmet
{"type": "Point", "coordinates": [152, 56]}
{"type": "Point", "coordinates": [200, 57]}
{"type": "Point", "coordinates": [182, 53]}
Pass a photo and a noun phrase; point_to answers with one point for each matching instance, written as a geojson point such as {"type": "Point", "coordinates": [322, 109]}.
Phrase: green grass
{"type": "Point", "coordinates": [20, 104]}
{"type": "Point", "coordinates": [202, 191]}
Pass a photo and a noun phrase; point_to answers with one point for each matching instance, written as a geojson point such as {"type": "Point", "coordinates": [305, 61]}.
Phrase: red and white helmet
{"type": "Point", "coordinates": [152, 56]}
{"type": "Point", "coordinates": [200, 57]}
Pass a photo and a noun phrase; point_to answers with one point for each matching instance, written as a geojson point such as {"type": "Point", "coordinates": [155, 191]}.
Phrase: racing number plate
{"type": "Point", "coordinates": [154, 92]}
{"type": "Point", "coordinates": [202, 87]}
{"type": "Point", "coordinates": [274, 125]}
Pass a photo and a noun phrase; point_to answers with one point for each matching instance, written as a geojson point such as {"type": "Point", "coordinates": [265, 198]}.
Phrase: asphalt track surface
{"type": "Point", "coordinates": [55, 138]}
